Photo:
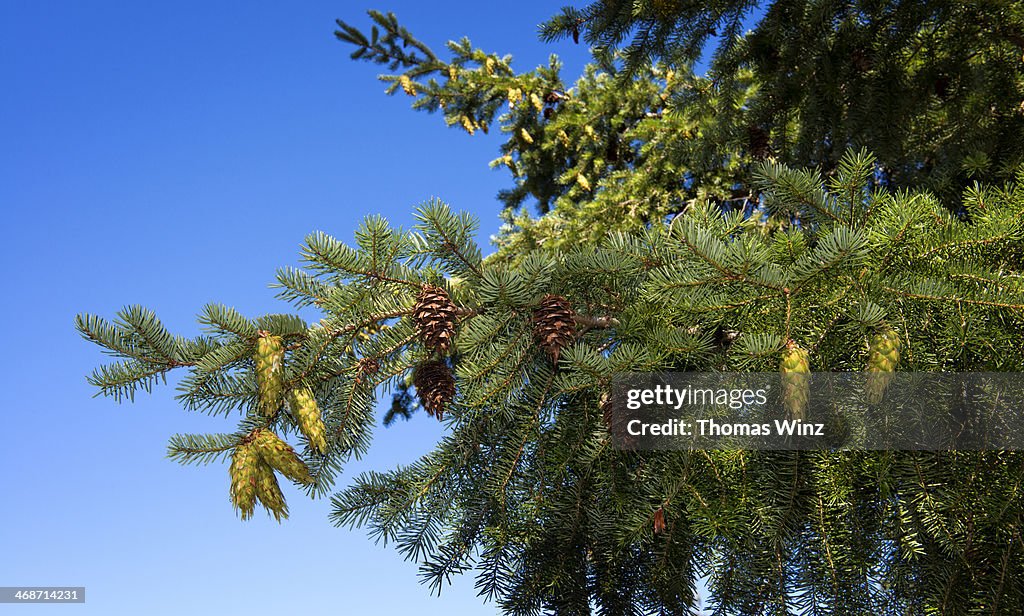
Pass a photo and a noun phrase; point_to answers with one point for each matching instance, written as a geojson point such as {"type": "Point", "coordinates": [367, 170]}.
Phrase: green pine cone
{"type": "Point", "coordinates": [307, 413]}
{"type": "Point", "coordinates": [883, 357]}
{"type": "Point", "coordinates": [269, 492]}
{"type": "Point", "coordinates": [281, 456]}
{"type": "Point", "coordinates": [243, 470]}
{"type": "Point", "coordinates": [795, 370]}
{"type": "Point", "coordinates": [269, 372]}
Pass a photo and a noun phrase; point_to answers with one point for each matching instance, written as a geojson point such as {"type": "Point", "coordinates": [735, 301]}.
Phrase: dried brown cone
{"type": "Point", "coordinates": [554, 324]}
{"type": "Point", "coordinates": [659, 520]}
{"type": "Point", "coordinates": [758, 142]}
{"type": "Point", "coordinates": [280, 456]}
{"type": "Point", "coordinates": [269, 492]}
{"type": "Point", "coordinates": [243, 470]}
{"type": "Point", "coordinates": [435, 387]}
{"type": "Point", "coordinates": [434, 315]}
{"type": "Point", "coordinates": [366, 366]}
{"type": "Point", "coordinates": [615, 423]}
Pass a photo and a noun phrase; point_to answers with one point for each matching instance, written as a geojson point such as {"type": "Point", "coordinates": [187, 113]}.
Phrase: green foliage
{"type": "Point", "coordinates": [679, 218]}
{"type": "Point", "coordinates": [598, 154]}
{"type": "Point", "coordinates": [526, 488]}
{"type": "Point", "coordinates": [933, 88]}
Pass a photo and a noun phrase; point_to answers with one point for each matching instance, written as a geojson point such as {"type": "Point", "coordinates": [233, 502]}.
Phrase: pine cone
{"type": "Point", "coordinates": [280, 456]}
{"type": "Point", "coordinates": [435, 386]}
{"type": "Point", "coordinates": [244, 463]}
{"type": "Point", "coordinates": [269, 492]}
{"type": "Point", "coordinates": [659, 520]}
{"type": "Point", "coordinates": [758, 142]}
{"type": "Point", "coordinates": [269, 372]}
{"type": "Point", "coordinates": [883, 356]}
{"type": "Point", "coordinates": [366, 366]}
{"type": "Point", "coordinates": [306, 412]}
{"type": "Point", "coordinates": [554, 324]}
{"type": "Point", "coordinates": [861, 60]}
{"type": "Point", "coordinates": [434, 315]}
{"type": "Point", "coordinates": [615, 423]}
{"type": "Point", "coordinates": [795, 369]}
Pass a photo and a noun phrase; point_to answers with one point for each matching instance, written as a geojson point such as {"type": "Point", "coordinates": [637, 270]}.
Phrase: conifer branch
{"type": "Point", "coordinates": [600, 322]}
{"type": "Point", "coordinates": [953, 300]}
{"type": "Point", "coordinates": [201, 448]}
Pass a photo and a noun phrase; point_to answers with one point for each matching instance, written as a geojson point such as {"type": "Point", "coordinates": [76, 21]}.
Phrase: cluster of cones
{"type": "Point", "coordinates": [262, 454]}
{"type": "Point", "coordinates": [434, 314]}
{"type": "Point", "coordinates": [253, 477]}
{"type": "Point", "coordinates": [270, 385]}
{"type": "Point", "coordinates": [795, 369]}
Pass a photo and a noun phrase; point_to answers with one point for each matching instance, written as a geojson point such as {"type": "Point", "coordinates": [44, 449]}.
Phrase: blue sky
{"type": "Point", "coordinates": [173, 154]}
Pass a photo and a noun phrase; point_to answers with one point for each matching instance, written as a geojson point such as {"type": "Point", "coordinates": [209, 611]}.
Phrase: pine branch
{"type": "Point", "coordinates": [201, 448]}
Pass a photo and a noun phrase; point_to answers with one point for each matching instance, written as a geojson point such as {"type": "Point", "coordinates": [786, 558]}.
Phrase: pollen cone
{"type": "Point", "coordinates": [269, 492]}
{"type": "Point", "coordinates": [269, 361]}
{"type": "Point", "coordinates": [307, 413]}
{"type": "Point", "coordinates": [795, 369]}
{"type": "Point", "coordinates": [280, 456]}
{"type": "Point", "coordinates": [883, 357]}
{"type": "Point", "coordinates": [243, 470]}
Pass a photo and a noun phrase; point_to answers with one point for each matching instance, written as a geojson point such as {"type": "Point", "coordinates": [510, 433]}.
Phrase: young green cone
{"type": "Point", "coordinates": [279, 455]}
{"type": "Point", "coordinates": [883, 356]}
{"type": "Point", "coordinates": [269, 492]}
{"type": "Point", "coordinates": [243, 470]}
{"type": "Point", "coordinates": [269, 372]}
{"type": "Point", "coordinates": [795, 369]}
{"type": "Point", "coordinates": [306, 411]}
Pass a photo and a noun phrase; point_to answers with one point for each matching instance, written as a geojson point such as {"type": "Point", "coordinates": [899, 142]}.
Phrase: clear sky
{"type": "Point", "coordinates": [172, 154]}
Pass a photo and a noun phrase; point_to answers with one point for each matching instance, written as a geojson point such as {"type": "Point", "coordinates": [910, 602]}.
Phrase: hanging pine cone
{"type": "Point", "coordinates": [795, 369]}
{"type": "Point", "coordinates": [659, 520]}
{"type": "Point", "coordinates": [434, 315]}
{"type": "Point", "coordinates": [269, 492]}
{"type": "Point", "coordinates": [861, 59]}
{"type": "Point", "coordinates": [307, 413]}
{"type": "Point", "coordinates": [269, 361]}
{"type": "Point", "coordinates": [280, 456]}
{"type": "Point", "coordinates": [554, 324]}
{"type": "Point", "coordinates": [758, 142]}
{"type": "Point", "coordinates": [615, 423]}
{"type": "Point", "coordinates": [435, 386]}
{"type": "Point", "coordinates": [883, 356]}
{"type": "Point", "coordinates": [243, 470]}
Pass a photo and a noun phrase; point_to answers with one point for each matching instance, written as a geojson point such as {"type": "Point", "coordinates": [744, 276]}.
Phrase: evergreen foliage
{"type": "Point", "coordinates": [702, 223]}
{"type": "Point", "coordinates": [933, 88]}
{"type": "Point", "coordinates": [600, 155]}
{"type": "Point", "coordinates": [526, 488]}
